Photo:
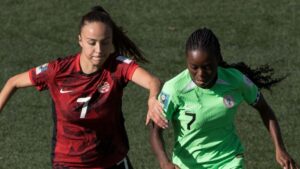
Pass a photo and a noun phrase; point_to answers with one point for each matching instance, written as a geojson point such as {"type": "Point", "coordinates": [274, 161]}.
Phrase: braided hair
{"type": "Point", "coordinates": [206, 40]}
{"type": "Point", "coordinates": [123, 45]}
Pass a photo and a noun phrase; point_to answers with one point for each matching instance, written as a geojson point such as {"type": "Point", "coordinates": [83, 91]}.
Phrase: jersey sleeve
{"type": "Point", "coordinates": [128, 66]}
{"type": "Point", "coordinates": [250, 91]}
{"type": "Point", "coordinates": [168, 99]}
{"type": "Point", "coordinates": [41, 75]}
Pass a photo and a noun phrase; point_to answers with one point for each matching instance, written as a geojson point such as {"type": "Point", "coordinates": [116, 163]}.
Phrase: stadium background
{"type": "Point", "coordinates": [258, 32]}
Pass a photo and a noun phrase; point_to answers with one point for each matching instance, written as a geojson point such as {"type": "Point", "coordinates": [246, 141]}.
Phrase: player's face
{"type": "Point", "coordinates": [202, 68]}
{"type": "Point", "coordinates": [95, 40]}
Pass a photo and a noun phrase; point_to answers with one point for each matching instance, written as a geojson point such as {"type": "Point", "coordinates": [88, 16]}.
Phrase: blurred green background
{"type": "Point", "coordinates": [257, 32]}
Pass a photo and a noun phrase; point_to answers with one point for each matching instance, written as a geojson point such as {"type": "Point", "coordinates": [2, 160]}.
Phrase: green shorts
{"type": "Point", "coordinates": [236, 163]}
{"type": "Point", "coordinates": [233, 163]}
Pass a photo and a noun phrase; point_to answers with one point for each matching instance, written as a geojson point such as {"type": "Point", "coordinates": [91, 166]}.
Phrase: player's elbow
{"type": "Point", "coordinates": [155, 81]}
{"type": "Point", "coordinates": [12, 82]}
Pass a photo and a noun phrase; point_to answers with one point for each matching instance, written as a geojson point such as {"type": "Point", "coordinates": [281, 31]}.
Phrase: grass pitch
{"type": "Point", "coordinates": [257, 32]}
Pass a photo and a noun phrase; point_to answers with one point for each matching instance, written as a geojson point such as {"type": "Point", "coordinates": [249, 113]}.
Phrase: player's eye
{"type": "Point", "coordinates": [106, 42]}
{"type": "Point", "coordinates": [91, 42]}
{"type": "Point", "coordinates": [207, 67]}
{"type": "Point", "coordinates": [194, 67]}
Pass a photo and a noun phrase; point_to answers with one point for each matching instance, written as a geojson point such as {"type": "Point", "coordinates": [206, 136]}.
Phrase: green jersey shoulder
{"type": "Point", "coordinates": [182, 84]}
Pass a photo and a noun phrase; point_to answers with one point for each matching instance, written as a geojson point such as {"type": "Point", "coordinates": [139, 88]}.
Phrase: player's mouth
{"type": "Point", "coordinates": [201, 82]}
{"type": "Point", "coordinates": [98, 57]}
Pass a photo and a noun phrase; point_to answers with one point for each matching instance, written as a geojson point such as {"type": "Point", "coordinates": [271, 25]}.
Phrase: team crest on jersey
{"type": "Point", "coordinates": [104, 87]}
{"type": "Point", "coordinates": [164, 99]}
{"type": "Point", "coordinates": [41, 68]}
{"type": "Point", "coordinates": [248, 81]}
{"type": "Point", "coordinates": [228, 101]}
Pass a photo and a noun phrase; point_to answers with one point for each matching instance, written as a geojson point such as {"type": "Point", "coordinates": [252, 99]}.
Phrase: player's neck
{"type": "Point", "coordinates": [87, 67]}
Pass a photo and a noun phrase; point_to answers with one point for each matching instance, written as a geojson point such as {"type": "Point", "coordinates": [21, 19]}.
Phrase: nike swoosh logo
{"type": "Point", "coordinates": [65, 91]}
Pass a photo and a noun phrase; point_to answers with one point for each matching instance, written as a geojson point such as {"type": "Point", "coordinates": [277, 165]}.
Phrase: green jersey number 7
{"type": "Point", "coordinates": [193, 115]}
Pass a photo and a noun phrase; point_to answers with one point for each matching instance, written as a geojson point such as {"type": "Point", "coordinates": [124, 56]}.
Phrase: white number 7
{"type": "Point", "coordinates": [84, 100]}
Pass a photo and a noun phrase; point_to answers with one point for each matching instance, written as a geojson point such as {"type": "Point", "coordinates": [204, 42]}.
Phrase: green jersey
{"type": "Point", "coordinates": [203, 119]}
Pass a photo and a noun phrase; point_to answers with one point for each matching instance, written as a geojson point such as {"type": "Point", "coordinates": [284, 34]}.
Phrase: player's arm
{"type": "Point", "coordinates": [157, 144]}
{"type": "Point", "coordinates": [18, 81]}
{"type": "Point", "coordinates": [271, 123]}
{"type": "Point", "coordinates": [155, 112]}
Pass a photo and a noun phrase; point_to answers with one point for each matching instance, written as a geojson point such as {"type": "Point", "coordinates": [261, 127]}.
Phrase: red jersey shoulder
{"type": "Point", "coordinates": [122, 66]}
{"type": "Point", "coordinates": [45, 73]}
{"type": "Point", "coordinates": [59, 64]}
{"type": "Point", "coordinates": [66, 64]}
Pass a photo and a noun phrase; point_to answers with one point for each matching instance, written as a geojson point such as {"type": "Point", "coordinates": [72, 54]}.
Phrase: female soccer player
{"type": "Point", "coordinates": [86, 89]}
{"type": "Point", "coordinates": [202, 101]}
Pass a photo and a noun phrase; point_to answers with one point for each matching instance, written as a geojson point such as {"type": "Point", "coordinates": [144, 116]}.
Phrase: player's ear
{"type": "Point", "coordinates": [80, 40]}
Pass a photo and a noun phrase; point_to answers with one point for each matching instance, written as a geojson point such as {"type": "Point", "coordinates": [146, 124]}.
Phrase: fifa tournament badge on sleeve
{"type": "Point", "coordinates": [164, 99]}
{"type": "Point", "coordinates": [41, 68]}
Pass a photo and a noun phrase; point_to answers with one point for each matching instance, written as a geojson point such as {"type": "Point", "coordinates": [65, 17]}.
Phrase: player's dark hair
{"type": "Point", "coordinates": [205, 39]}
{"type": "Point", "coordinates": [123, 45]}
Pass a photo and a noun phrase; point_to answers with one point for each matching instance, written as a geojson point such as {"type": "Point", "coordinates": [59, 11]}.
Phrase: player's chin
{"type": "Point", "coordinates": [202, 83]}
{"type": "Point", "coordinates": [98, 60]}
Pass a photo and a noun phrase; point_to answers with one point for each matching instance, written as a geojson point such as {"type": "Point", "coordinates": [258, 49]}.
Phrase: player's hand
{"type": "Point", "coordinates": [169, 165]}
{"type": "Point", "coordinates": [285, 160]}
{"type": "Point", "coordinates": [155, 112]}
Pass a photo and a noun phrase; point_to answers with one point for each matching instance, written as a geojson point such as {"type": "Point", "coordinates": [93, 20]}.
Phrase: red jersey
{"type": "Point", "coordinates": [89, 125]}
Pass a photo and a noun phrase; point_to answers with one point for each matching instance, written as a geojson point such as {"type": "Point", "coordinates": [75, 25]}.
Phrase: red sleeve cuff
{"type": "Point", "coordinates": [30, 76]}
{"type": "Point", "coordinates": [131, 71]}
{"type": "Point", "coordinates": [33, 82]}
